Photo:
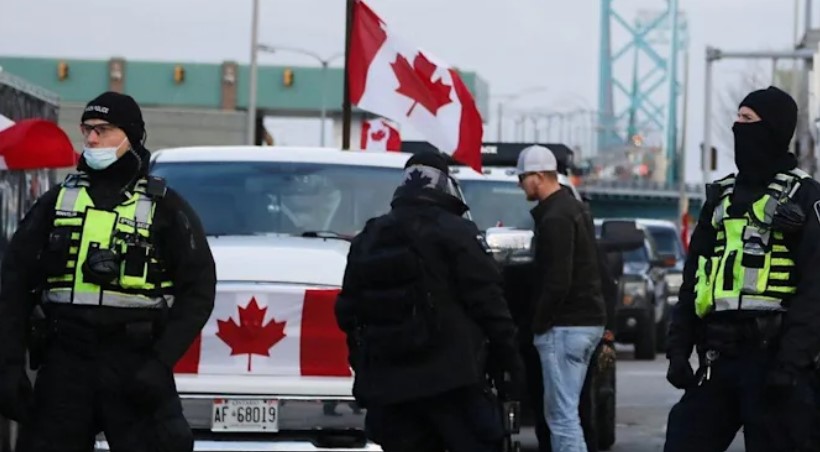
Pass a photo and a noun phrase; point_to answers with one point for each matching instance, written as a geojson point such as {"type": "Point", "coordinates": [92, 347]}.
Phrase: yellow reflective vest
{"type": "Point", "coordinates": [750, 267]}
{"type": "Point", "coordinates": [126, 230]}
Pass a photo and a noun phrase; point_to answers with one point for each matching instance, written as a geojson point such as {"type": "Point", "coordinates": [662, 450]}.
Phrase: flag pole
{"type": "Point", "coordinates": [346, 109]}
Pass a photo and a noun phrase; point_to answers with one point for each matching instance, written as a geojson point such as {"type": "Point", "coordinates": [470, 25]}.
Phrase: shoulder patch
{"type": "Point", "coordinates": [482, 242]}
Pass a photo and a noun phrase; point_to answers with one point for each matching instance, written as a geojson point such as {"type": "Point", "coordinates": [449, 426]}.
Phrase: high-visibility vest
{"type": "Point", "coordinates": [79, 227]}
{"type": "Point", "coordinates": [750, 268]}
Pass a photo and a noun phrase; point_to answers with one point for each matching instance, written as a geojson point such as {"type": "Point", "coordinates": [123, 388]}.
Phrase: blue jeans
{"type": "Point", "coordinates": [565, 353]}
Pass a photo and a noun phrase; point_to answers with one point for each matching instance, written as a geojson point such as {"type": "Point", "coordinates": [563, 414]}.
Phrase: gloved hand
{"type": "Point", "coordinates": [510, 378]}
{"type": "Point", "coordinates": [780, 382]}
{"type": "Point", "coordinates": [16, 394]}
{"type": "Point", "coordinates": [680, 373]}
{"type": "Point", "coordinates": [151, 385]}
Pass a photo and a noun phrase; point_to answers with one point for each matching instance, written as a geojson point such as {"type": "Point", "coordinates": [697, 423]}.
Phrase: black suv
{"type": "Point", "coordinates": [643, 307]}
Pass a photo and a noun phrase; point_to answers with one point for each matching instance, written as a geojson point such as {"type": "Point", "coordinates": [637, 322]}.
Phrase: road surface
{"type": "Point", "coordinates": [644, 401]}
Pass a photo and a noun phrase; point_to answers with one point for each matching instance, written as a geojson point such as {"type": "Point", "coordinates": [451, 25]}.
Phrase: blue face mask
{"type": "Point", "coordinates": [101, 158]}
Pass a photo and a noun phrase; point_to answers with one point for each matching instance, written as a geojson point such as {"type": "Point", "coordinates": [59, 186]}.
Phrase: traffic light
{"type": "Point", "coordinates": [179, 74]}
{"type": "Point", "coordinates": [62, 70]}
{"type": "Point", "coordinates": [287, 77]}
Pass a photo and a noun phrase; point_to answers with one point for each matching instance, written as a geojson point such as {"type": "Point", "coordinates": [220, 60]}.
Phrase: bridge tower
{"type": "Point", "coordinates": [638, 83]}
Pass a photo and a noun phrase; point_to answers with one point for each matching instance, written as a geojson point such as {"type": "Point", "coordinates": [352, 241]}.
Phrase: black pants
{"type": "Point", "coordinates": [465, 420]}
{"type": "Point", "coordinates": [81, 391]}
{"type": "Point", "coordinates": [535, 392]}
{"type": "Point", "coordinates": [708, 417]}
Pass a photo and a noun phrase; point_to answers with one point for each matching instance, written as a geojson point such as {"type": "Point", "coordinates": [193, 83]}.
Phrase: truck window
{"type": "Point", "coordinates": [249, 198]}
{"type": "Point", "coordinates": [497, 203]}
{"type": "Point", "coordinates": [667, 241]}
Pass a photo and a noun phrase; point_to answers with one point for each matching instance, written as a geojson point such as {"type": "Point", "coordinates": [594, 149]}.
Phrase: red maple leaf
{"type": "Point", "coordinates": [378, 135]}
{"type": "Point", "coordinates": [250, 337]}
{"type": "Point", "coordinates": [416, 82]}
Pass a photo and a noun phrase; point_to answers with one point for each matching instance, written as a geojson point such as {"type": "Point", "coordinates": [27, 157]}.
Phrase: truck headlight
{"type": "Point", "coordinates": [674, 281]}
{"type": "Point", "coordinates": [510, 245]}
{"type": "Point", "coordinates": [633, 291]}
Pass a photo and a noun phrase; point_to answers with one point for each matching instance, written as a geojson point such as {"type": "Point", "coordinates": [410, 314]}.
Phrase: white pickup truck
{"type": "Point", "coordinates": [270, 370]}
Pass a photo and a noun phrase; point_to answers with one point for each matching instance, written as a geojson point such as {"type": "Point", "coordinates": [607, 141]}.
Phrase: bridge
{"type": "Point", "coordinates": [643, 199]}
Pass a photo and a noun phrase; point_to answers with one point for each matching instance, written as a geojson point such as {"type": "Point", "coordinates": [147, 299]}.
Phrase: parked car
{"type": "Point", "coordinates": [643, 308]}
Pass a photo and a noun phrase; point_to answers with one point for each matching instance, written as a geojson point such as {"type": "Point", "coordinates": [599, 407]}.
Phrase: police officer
{"type": "Point", "coordinates": [750, 300]}
{"type": "Point", "coordinates": [119, 265]}
{"type": "Point", "coordinates": [424, 313]}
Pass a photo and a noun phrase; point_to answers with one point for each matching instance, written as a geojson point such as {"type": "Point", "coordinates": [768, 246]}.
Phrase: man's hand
{"type": "Point", "coordinates": [680, 373]}
{"type": "Point", "coordinates": [509, 377]}
{"type": "Point", "coordinates": [16, 394]}
{"type": "Point", "coordinates": [151, 385]}
{"type": "Point", "coordinates": [780, 383]}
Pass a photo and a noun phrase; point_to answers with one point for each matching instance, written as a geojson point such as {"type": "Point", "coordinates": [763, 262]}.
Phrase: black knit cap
{"type": "Point", "coordinates": [120, 110]}
{"type": "Point", "coordinates": [431, 159]}
{"type": "Point", "coordinates": [777, 110]}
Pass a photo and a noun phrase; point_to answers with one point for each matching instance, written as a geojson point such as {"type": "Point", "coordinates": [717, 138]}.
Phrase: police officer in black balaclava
{"type": "Point", "coordinates": [750, 300]}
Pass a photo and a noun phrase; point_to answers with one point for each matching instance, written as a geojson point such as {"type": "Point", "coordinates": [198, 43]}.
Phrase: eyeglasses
{"type": "Point", "coordinates": [101, 129]}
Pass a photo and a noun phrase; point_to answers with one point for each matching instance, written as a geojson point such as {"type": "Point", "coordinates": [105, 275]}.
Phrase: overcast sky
{"type": "Point", "coordinates": [513, 44]}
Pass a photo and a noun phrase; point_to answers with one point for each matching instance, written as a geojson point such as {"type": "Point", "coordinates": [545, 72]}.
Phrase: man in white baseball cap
{"type": "Point", "coordinates": [540, 163]}
{"type": "Point", "coordinates": [568, 308]}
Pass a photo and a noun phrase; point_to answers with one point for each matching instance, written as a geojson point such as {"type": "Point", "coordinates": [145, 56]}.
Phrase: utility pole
{"type": "Point", "coordinates": [251, 137]}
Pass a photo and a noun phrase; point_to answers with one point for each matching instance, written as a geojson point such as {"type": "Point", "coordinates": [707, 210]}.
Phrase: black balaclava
{"type": "Point", "coordinates": [762, 148]}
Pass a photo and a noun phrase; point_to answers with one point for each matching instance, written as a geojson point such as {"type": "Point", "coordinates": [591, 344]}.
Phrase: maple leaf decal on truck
{"type": "Point", "coordinates": [249, 336]}
{"type": "Point", "coordinates": [416, 82]}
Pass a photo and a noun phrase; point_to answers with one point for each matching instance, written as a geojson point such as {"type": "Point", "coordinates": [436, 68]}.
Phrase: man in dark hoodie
{"type": "Point", "coordinates": [423, 309]}
{"type": "Point", "coordinates": [119, 266]}
{"type": "Point", "coordinates": [750, 299]}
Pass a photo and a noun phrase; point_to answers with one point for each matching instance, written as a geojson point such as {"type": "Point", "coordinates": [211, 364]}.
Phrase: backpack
{"type": "Point", "coordinates": [395, 305]}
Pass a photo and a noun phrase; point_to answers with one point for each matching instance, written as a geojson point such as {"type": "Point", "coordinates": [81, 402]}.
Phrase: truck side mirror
{"type": "Point", "coordinates": [617, 235]}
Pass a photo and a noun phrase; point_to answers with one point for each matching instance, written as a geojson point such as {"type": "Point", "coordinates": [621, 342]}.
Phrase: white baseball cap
{"type": "Point", "coordinates": [534, 159]}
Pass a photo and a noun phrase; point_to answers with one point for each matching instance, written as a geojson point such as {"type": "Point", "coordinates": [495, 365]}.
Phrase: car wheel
{"type": "Point", "coordinates": [645, 341]}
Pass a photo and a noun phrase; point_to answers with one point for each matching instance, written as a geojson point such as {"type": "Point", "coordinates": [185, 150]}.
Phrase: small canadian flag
{"type": "Point", "coordinates": [389, 77]}
{"type": "Point", "coordinates": [380, 135]}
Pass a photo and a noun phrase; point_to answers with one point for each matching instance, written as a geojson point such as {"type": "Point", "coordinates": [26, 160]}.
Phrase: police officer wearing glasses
{"type": "Point", "coordinates": [118, 267]}
{"type": "Point", "coordinates": [750, 300]}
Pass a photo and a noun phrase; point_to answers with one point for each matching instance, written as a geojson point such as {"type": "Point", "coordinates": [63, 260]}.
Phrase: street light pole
{"type": "Point", "coordinates": [500, 123]}
{"type": "Point", "coordinates": [325, 63]}
{"type": "Point", "coordinates": [251, 137]}
{"type": "Point", "coordinates": [510, 98]}
{"type": "Point", "coordinates": [323, 114]}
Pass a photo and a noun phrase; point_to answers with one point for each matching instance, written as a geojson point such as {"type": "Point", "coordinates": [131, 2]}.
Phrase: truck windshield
{"type": "Point", "coordinates": [248, 198]}
{"type": "Point", "coordinates": [497, 203]}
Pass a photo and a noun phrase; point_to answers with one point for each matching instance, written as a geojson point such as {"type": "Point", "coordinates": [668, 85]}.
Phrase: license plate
{"type": "Point", "coordinates": [245, 415]}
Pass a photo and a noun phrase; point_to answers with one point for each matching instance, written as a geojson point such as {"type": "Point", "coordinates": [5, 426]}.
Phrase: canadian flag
{"type": "Point", "coordinates": [379, 135]}
{"type": "Point", "coordinates": [288, 331]}
{"type": "Point", "coordinates": [396, 80]}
